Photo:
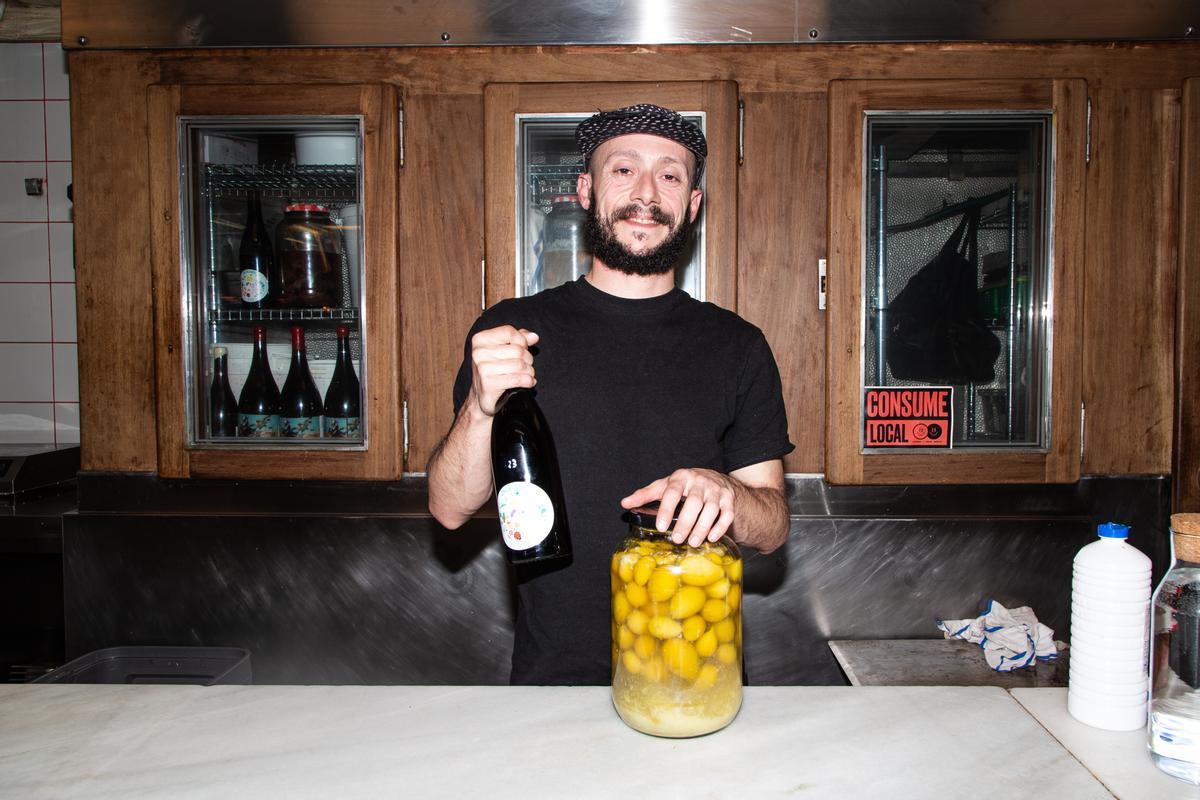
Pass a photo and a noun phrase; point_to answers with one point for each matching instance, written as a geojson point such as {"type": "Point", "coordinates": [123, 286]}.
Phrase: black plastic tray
{"type": "Point", "coordinates": [204, 666]}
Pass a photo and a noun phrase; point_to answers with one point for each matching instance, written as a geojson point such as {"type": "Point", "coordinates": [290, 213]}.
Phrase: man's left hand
{"type": "Point", "coordinates": [707, 508]}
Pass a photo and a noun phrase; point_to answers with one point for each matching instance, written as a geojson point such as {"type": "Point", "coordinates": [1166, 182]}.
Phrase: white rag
{"type": "Point", "coordinates": [1010, 638]}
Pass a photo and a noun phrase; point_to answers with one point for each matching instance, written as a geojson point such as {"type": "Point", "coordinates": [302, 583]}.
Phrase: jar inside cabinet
{"type": "Point", "coordinates": [273, 268]}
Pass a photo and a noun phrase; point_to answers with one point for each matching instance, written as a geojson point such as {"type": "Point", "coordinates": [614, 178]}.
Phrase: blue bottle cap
{"type": "Point", "coordinates": [1113, 530]}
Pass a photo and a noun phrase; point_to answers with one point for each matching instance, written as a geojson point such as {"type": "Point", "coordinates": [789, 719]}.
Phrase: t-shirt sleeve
{"type": "Point", "coordinates": [759, 430]}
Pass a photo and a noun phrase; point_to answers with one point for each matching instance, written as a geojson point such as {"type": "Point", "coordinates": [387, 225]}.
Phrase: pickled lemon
{"type": "Point", "coordinates": [694, 627]}
{"type": "Point", "coordinates": [645, 646]}
{"type": "Point", "coordinates": [734, 570]}
{"type": "Point", "coordinates": [642, 570]}
{"type": "Point", "coordinates": [706, 645]}
{"type": "Point", "coordinates": [625, 638]}
{"type": "Point", "coordinates": [735, 596]}
{"type": "Point", "coordinates": [719, 589]}
{"type": "Point", "coordinates": [687, 601]}
{"type": "Point", "coordinates": [707, 677]}
{"type": "Point", "coordinates": [727, 653]}
{"type": "Point", "coordinates": [681, 658]}
{"type": "Point", "coordinates": [625, 566]}
{"type": "Point", "coordinates": [714, 610]}
{"type": "Point", "coordinates": [696, 570]}
{"type": "Point", "coordinates": [636, 621]}
{"type": "Point", "coordinates": [664, 628]}
{"type": "Point", "coordinates": [620, 607]}
{"type": "Point", "coordinates": [662, 584]}
{"type": "Point", "coordinates": [631, 662]}
{"type": "Point", "coordinates": [725, 630]}
{"type": "Point", "coordinates": [636, 594]}
{"type": "Point", "coordinates": [653, 669]}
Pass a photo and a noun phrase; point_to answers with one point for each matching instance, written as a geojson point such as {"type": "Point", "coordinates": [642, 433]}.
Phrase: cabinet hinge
{"type": "Point", "coordinates": [483, 284]}
{"type": "Point", "coordinates": [1087, 147]}
{"type": "Point", "coordinates": [822, 277]}
{"type": "Point", "coordinates": [404, 432]}
{"type": "Point", "coordinates": [400, 131]}
{"type": "Point", "coordinates": [741, 131]}
{"type": "Point", "coordinates": [1082, 429]}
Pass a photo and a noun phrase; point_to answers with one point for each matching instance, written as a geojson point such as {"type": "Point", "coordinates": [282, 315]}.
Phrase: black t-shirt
{"type": "Point", "coordinates": [632, 390]}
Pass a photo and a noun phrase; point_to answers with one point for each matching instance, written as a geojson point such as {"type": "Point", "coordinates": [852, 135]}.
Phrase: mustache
{"type": "Point", "coordinates": [634, 210]}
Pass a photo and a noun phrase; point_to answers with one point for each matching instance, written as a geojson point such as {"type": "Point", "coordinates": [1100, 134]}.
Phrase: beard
{"type": "Point", "coordinates": [603, 244]}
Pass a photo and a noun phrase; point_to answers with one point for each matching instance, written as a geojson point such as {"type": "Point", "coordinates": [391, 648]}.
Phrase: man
{"type": "Point", "coordinates": [650, 395]}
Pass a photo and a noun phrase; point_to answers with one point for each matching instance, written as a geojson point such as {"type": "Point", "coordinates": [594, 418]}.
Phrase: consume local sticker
{"type": "Point", "coordinates": [907, 416]}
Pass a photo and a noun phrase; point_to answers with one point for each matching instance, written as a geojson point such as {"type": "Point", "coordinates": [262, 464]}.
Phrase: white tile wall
{"type": "Point", "coordinates": [39, 375]}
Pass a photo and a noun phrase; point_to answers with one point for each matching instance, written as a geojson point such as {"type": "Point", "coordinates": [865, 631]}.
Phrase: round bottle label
{"type": "Point", "coordinates": [526, 514]}
{"type": "Point", "coordinates": [254, 286]}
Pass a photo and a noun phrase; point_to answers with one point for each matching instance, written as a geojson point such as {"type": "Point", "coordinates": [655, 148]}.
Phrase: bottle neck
{"type": "Point", "coordinates": [219, 367]}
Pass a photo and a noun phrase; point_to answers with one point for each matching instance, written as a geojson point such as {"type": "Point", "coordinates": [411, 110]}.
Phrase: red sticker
{"type": "Point", "coordinates": [907, 416]}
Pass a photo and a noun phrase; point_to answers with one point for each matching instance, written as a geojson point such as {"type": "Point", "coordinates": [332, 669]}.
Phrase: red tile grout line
{"type": "Point", "coordinates": [49, 244]}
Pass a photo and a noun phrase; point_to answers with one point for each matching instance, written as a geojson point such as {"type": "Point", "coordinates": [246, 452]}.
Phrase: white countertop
{"type": "Point", "coordinates": [1120, 759]}
{"type": "Point", "coordinates": [94, 741]}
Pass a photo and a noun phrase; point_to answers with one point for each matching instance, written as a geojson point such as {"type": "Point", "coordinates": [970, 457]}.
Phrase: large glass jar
{"type": "Point", "coordinates": [1174, 729]}
{"type": "Point", "coordinates": [309, 250]}
{"type": "Point", "coordinates": [676, 631]}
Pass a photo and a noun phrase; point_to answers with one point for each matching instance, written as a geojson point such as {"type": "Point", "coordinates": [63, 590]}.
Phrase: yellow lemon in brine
{"type": "Point", "coordinates": [687, 601]}
{"type": "Point", "coordinates": [642, 570]}
{"type": "Point", "coordinates": [727, 653]}
{"type": "Point", "coordinates": [694, 627]}
{"type": "Point", "coordinates": [715, 610]}
{"type": "Point", "coordinates": [631, 662]}
{"type": "Point", "coordinates": [734, 570]}
{"type": "Point", "coordinates": [681, 658]}
{"type": "Point", "coordinates": [620, 607]}
{"type": "Point", "coordinates": [625, 638]}
{"type": "Point", "coordinates": [645, 646]}
{"type": "Point", "coordinates": [625, 566]}
{"type": "Point", "coordinates": [653, 669]}
{"type": "Point", "coordinates": [719, 589]}
{"type": "Point", "coordinates": [735, 596]}
{"type": "Point", "coordinates": [707, 677]}
{"type": "Point", "coordinates": [637, 595]}
{"type": "Point", "coordinates": [696, 570]}
{"type": "Point", "coordinates": [662, 584]}
{"type": "Point", "coordinates": [725, 630]}
{"type": "Point", "coordinates": [706, 645]}
{"type": "Point", "coordinates": [664, 628]}
{"type": "Point", "coordinates": [636, 621]}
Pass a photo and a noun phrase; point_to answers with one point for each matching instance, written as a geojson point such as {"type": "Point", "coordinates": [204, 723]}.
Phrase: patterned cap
{"type": "Point", "coordinates": [641, 118]}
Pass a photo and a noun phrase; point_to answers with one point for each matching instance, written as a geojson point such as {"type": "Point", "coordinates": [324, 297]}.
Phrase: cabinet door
{"type": "Point", "coordinates": [525, 122]}
{"type": "Point", "coordinates": [1186, 477]}
{"type": "Point", "coordinates": [955, 268]}
{"type": "Point", "coordinates": [320, 161]}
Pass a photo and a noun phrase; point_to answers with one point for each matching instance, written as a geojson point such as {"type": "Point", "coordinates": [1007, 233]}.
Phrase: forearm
{"type": "Point", "coordinates": [460, 470]}
{"type": "Point", "coordinates": [762, 520]}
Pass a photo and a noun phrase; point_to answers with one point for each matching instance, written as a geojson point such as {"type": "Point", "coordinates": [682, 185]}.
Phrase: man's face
{"type": "Point", "coordinates": [640, 202]}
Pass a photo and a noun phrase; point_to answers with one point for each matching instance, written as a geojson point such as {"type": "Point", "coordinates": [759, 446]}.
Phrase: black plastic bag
{"type": "Point", "coordinates": [935, 332]}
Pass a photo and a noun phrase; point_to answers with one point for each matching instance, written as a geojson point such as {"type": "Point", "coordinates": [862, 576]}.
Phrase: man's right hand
{"type": "Point", "coordinates": [500, 360]}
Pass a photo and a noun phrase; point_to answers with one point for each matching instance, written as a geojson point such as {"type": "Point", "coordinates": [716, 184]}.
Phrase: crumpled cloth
{"type": "Point", "coordinates": [1010, 638]}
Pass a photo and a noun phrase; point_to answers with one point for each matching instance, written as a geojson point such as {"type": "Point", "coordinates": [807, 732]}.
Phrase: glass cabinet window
{"type": "Point", "coordinates": [957, 212]}
{"type": "Point", "coordinates": [551, 247]}
{"type": "Point", "coordinates": [272, 267]}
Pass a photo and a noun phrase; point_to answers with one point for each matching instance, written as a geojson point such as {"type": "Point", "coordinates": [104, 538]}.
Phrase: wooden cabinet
{"type": "Point", "coordinates": [181, 344]}
{"type": "Point", "coordinates": [859, 310]}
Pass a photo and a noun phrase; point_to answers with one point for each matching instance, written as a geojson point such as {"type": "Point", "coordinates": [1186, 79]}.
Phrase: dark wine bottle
{"type": "Point", "coordinates": [222, 405]}
{"type": "Point", "coordinates": [256, 259]}
{"type": "Point", "coordinates": [533, 517]}
{"type": "Point", "coordinates": [300, 404]}
{"type": "Point", "coordinates": [342, 416]}
{"type": "Point", "coordinates": [258, 404]}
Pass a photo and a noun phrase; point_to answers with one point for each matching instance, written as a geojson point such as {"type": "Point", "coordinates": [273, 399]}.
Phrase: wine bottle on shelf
{"type": "Point", "coordinates": [342, 416]}
{"type": "Point", "coordinates": [222, 405]}
{"type": "Point", "coordinates": [300, 404]}
{"type": "Point", "coordinates": [258, 404]}
{"type": "Point", "coordinates": [256, 259]}
{"type": "Point", "coordinates": [533, 518]}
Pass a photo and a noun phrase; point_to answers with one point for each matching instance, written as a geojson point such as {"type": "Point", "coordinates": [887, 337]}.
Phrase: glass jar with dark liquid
{"type": "Point", "coordinates": [308, 248]}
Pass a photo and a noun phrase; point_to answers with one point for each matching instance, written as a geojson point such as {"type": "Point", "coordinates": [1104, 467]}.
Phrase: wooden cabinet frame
{"type": "Point", "coordinates": [1186, 467]}
{"type": "Point", "coordinates": [377, 104]}
{"type": "Point", "coordinates": [718, 99]}
{"type": "Point", "coordinates": [845, 460]}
